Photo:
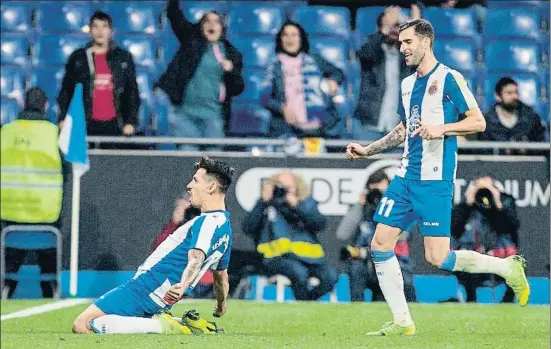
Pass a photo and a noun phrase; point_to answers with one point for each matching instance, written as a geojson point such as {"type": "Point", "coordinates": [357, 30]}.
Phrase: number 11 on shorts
{"type": "Point", "coordinates": [385, 202]}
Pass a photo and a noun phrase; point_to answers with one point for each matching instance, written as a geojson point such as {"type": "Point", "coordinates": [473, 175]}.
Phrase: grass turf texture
{"type": "Point", "coordinates": [302, 325]}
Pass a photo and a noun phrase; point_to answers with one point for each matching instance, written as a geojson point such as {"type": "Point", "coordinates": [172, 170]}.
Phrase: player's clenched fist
{"type": "Point", "coordinates": [355, 151]}
{"type": "Point", "coordinates": [174, 294]}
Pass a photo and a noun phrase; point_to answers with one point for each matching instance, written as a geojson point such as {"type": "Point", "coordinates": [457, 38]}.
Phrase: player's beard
{"type": "Point", "coordinates": [416, 61]}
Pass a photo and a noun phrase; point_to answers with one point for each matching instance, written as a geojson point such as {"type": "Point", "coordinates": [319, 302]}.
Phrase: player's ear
{"type": "Point", "coordinates": [212, 187]}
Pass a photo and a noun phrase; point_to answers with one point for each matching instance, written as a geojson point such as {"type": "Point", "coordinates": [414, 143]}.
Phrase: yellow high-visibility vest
{"type": "Point", "coordinates": [32, 181]}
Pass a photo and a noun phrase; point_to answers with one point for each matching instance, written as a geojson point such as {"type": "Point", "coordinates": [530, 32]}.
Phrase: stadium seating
{"type": "Point", "coordinates": [13, 82]}
{"type": "Point", "coordinates": [452, 22]}
{"type": "Point", "coordinates": [529, 88]}
{"type": "Point", "coordinates": [457, 53]}
{"type": "Point", "coordinates": [256, 51]}
{"type": "Point", "coordinates": [248, 119]}
{"type": "Point", "coordinates": [129, 17]}
{"type": "Point", "coordinates": [56, 49]}
{"type": "Point", "coordinates": [63, 17]}
{"type": "Point", "coordinates": [16, 16]}
{"type": "Point", "coordinates": [9, 108]}
{"type": "Point", "coordinates": [142, 48]}
{"type": "Point", "coordinates": [252, 78]}
{"type": "Point", "coordinates": [145, 83]}
{"type": "Point", "coordinates": [194, 10]}
{"type": "Point", "coordinates": [251, 20]}
{"type": "Point", "coordinates": [334, 50]}
{"type": "Point", "coordinates": [15, 49]}
{"type": "Point", "coordinates": [324, 20]}
{"type": "Point", "coordinates": [518, 22]}
{"type": "Point", "coordinates": [49, 79]}
{"type": "Point", "coordinates": [533, 4]}
{"type": "Point", "coordinates": [513, 55]}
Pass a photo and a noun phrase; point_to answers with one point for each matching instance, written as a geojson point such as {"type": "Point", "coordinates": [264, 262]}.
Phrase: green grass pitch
{"type": "Point", "coordinates": [301, 325]}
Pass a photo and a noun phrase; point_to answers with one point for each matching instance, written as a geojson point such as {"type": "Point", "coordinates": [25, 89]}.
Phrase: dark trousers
{"type": "Point", "coordinates": [362, 275]}
{"type": "Point", "coordinates": [299, 272]}
{"type": "Point", "coordinates": [472, 281]}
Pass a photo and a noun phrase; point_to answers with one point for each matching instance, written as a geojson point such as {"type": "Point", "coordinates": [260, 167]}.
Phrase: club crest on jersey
{"type": "Point", "coordinates": [414, 119]}
{"type": "Point", "coordinates": [433, 87]}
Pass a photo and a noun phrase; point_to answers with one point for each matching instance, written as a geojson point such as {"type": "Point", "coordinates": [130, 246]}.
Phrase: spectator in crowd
{"type": "Point", "coordinates": [202, 78]}
{"type": "Point", "coordinates": [485, 221]}
{"type": "Point", "coordinates": [108, 76]}
{"type": "Point", "coordinates": [183, 213]}
{"type": "Point", "coordinates": [358, 228]}
{"type": "Point", "coordinates": [383, 68]}
{"type": "Point", "coordinates": [285, 223]}
{"type": "Point", "coordinates": [298, 88]}
{"type": "Point", "coordinates": [30, 152]}
{"type": "Point", "coordinates": [510, 120]}
{"type": "Point", "coordinates": [479, 7]}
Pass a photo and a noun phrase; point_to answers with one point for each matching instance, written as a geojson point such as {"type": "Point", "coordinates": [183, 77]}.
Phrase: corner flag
{"type": "Point", "coordinates": [72, 139]}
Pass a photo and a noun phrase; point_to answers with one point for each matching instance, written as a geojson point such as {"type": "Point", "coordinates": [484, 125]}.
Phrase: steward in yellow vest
{"type": "Point", "coordinates": [32, 180]}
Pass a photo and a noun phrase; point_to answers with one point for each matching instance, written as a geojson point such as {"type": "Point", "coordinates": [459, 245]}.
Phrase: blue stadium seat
{"type": "Point", "coordinates": [334, 50]}
{"type": "Point", "coordinates": [452, 22]}
{"type": "Point", "coordinates": [145, 85]}
{"type": "Point", "coordinates": [13, 82]}
{"type": "Point", "coordinates": [63, 17]}
{"type": "Point", "coordinates": [142, 48]}
{"type": "Point", "coordinates": [534, 4]}
{"type": "Point", "coordinates": [512, 55]}
{"type": "Point", "coordinates": [15, 49]}
{"type": "Point", "coordinates": [49, 79]}
{"type": "Point", "coordinates": [324, 20]}
{"type": "Point", "coordinates": [168, 47]}
{"type": "Point", "coordinates": [519, 22]}
{"type": "Point", "coordinates": [248, 119]}
{"type": "Point", "coordinates": [256, 52]}
{"type": "Point", "coordinates": [366, 21]}
{"type": "Point", "coordinates": [9, 108]}
{"type": "Point", "coordinates": [56, 49]}
{"type": "Point", "coordinates": [457, 53]}
{"type": "Point", "coordinates": [529, 88]}
{"type": "Point", "coordinates": [253, 79]}
{"type": "Point", "coordinates": [130, 17]}
{"type": "Point", "coordinates": [194, 10]}
{"type": "Point", "coordinates": [16, 16]}
{"type": "Point", "coordinates": [289, 6]}
{"type": "Point", "coordinates": [251, 20]}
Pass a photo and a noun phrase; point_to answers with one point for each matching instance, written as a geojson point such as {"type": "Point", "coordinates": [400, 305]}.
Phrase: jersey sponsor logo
{"type": "Point", "coordinates": [431, 224]}
{"type": "Point", "coordinates": [433, 88]}
{"type": "Point", "coordinates": [414, 119]}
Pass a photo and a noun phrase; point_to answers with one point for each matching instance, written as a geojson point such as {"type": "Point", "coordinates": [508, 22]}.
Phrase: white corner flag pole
{"type": "Point", "coordinates": [75, 214]}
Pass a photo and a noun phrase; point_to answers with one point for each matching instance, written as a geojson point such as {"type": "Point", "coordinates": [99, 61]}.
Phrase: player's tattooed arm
{"type": "Point", "coordinates": [392, 139]}
{"type": "Point", "coordinates": [221, 288]}
{"type": "Point", "coordinates": [195, 260]}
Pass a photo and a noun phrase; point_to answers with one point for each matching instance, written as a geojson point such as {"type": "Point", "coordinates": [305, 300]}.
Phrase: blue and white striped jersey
{"type": "Point", "coordinates": [436, 98]}
{"type": "Point", "coordinates": [210, 232]}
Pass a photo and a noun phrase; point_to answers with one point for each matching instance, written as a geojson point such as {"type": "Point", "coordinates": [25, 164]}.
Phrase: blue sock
{"type": "Point", "coordinates": [449, 262]}
{"type": "Point", "coordinates": [381, 256]}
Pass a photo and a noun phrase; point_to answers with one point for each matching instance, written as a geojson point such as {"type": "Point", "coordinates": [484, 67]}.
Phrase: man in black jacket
{"type": "Point", "coordinates": [108, 75]}
{"type": "Point", "coordinates": [486, 221]}
{"type": "Point", "coordinates": [383, 67]}
{"type": "Point", "coordinates": [510, 120]}
{"type": "Point", "coordinates": [202, 77]}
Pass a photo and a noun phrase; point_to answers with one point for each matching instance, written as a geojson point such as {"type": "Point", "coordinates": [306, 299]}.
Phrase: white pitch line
{"type": "Point", "coordinates": [66, 303]}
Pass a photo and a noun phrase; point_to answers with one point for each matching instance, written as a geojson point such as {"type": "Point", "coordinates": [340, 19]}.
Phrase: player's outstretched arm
{"type": "Point", "coordinates": [221, 288]}
{"type": "Point", "coordinates": [392, 139]}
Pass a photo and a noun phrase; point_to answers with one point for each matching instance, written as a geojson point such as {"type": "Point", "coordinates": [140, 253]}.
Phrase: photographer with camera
{"type": "Point", "coordinates": [284, 224]}
{"type": "Point", "coordinates": [486, 222]}
{"type": "Point", "coordinates": [358, 226]}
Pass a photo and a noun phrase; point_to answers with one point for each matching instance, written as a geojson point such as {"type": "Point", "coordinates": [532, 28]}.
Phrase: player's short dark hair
{"type": "Point", "coordinates": [501, 83]}
{"type": "Point", "coordinates": [101, 16]}
{"type": "Point", "coordinates": [304, 41]}
{"type": "Point", "coordinates": [35, 99]}
{"type": "Point", "coordinates": [218, 169]}
{"type": "Point", "coordinates": [377, 177]}
{"type": "Point", "coordinates": [422, 28]}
